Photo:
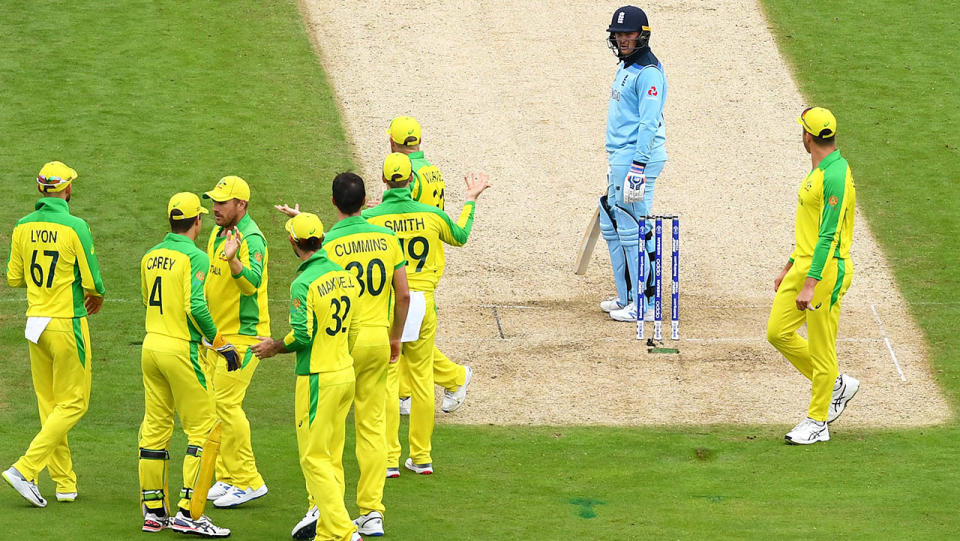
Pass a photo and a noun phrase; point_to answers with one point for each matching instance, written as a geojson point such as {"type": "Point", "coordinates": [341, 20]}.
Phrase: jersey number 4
{"type": "Point", "coordinates": [156, 295]}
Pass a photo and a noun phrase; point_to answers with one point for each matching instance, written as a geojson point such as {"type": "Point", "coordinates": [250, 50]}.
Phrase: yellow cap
{"type": "Point", "coordinates": [228, 188]}
{"type": "Point", "coordinates": [404, 130]}
{"type": "Point", "coordinates": [185, 205]}
{"type": "Point", "coordinates": [55, 177]}
{"type": "Point", "coordinates": [819, 122]}
{"type": "Point", "coordinates": [304, 226]}
{"type": "Point", "coordinates": [397, 168]}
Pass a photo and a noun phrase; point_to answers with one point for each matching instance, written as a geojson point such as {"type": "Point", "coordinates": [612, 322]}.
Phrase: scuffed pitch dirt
{"type": "Point", "coordinates": [519, 90]}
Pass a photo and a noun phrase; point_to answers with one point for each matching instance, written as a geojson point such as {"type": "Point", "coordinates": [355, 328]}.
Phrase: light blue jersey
{"type": "Point", "coordinates": [635, 130]}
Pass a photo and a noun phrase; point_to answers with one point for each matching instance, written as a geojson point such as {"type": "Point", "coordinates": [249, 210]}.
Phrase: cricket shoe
{"type": "Point", "coordinates": [153, 523]}
{"type": "Point", "coordinates": [219, 490]}
{"type": "Point", "coordinates": [611, 304]}
{"type": "Point", "coordinates": [66, 497]}
{"type": "Point", "coordinates": [420, 469]}
{"type": "Point", "coordinates": [355, 537]}
{"type": "Point", "coordinates": [306, 529]}
{"type": "Point", "coordinates": [843, 391]}
{"type": "Point", "coordinates": [27, 489]}
{"type": "Point", "coordinates": [405, 406]}
{"type": "Point", "coordinates": [629, 313]}
{"type": "Point", "coordinates": [393, 473]}
{"type": "Point", "coordinates": [238, 496]}
{"type": "Point", "coordinates": [370, 524]}
{"type": "Point", "coordinates": [454, 399]}
{"type": "Point", "coordinates": [202, 526]}
{"type": "Point", "coordinates": [807, 432]}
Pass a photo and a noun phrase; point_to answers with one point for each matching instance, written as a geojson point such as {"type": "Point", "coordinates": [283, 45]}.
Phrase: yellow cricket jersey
{"type": "Point", "coordinates": [238, 303]}
{"type": "Point", "coordinates": [371, 253]}
{"type": "Point", "coordinates": [427, 185]}
{"type": "Point", "coordinates": [52, 255]}
{"type": "Point", "coordinates": [171, 285]}
{"type": "Point", "coordinates": [825, 210]}
{"type": "Point", "coordinates": [323, 300]}
{"type": "Point", "coordinates": [422, 229]}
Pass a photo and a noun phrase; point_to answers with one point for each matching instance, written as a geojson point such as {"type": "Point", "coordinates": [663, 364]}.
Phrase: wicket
{"type": "Point", "coordinates": [657, 271]}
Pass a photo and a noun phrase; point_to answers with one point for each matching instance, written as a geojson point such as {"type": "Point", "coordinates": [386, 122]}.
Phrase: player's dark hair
{"type": "Point", "coordinates": [823, 141]}
{"type": "Point", "coordinates": [348, 192]}
{"type": "Point", "coordinates": [400, 183]}
{"type": "Point", "coordinates": [310, 245]}
{"type": "Point", "coordinates": [181, 225]}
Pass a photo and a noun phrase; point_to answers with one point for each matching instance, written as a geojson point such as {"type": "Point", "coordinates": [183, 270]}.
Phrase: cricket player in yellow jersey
{"type": "Point", "coordinates": [428, 188]}
{"type": "Point", "coordinates": [52, 255]}
{"type": "Point", "coordinates": [323, 311]}
{"type": "Point", "coordinates": [421, 229]}
{"type": "Point", "coordinates": [237, 289]}
{"type": "Point", "coordinates": [372, 253]}
{"type": "Point", "coordinates": [177, 320]}
{"type": "Point", "coordinates": [815, 278]}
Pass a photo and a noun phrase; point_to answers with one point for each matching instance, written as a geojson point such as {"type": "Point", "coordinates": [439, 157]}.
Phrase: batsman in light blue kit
{"type": "Point", "coordinates": [636, 154]}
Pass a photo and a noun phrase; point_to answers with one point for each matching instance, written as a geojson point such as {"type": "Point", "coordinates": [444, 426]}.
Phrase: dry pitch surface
{"type": "Point", "coordinates": [519, 90]}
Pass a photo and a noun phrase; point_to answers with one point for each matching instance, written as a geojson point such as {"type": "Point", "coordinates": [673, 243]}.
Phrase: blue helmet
{"type": "Point", "coordinates": [629, 19]}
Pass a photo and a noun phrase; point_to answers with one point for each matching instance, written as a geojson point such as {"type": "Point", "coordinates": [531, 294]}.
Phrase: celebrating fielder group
{"type": "Point", "coordinates": [363, 316]}
{"type": "Point", "coordinates": [363, 323]}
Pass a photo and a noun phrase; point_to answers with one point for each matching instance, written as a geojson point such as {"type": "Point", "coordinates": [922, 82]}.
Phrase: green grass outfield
{"type": "Point", "coordinates": [155, 97]}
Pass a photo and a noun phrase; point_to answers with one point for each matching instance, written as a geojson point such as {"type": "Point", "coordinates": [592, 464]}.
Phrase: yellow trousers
{"type": "Point", "coordinates": [446, 373]}
{"type": "Point", "coordinates": [816, 356]}
{"type": "Point", "coordinates": [322, 403]}
{"type": "Point", "coordinates": [418, 356]}
{"type": "Point", "coordinates": [236, 464]}
{"type": "Point", "coordinates": [61, 366]}
{"type": "Point", "coordinates": [371, 356]}
{"type": "Point", "coordinates": [173, 382]}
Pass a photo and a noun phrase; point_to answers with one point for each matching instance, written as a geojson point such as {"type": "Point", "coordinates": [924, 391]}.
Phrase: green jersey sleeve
{"type": "Point", "coordinates": [832, 204]}
{"type": "Point", "coordinates": [199, 312]}
{"type": "Point", "coordinates": [456, 234]}
{"type": "Point", "coordinates": [300, 335]}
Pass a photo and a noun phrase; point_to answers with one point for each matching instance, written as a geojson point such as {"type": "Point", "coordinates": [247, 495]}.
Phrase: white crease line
{"type": "Point", "coordinates": [708, 340]}
{"type": "Point", "coordinates": [516, 306]}
{"type": "Point", "coordinates": [887, 341]}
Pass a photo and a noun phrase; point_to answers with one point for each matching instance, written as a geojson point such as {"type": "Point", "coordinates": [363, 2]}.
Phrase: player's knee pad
{"type": "Point", "coordinates": [628, 229]}
{"type": "Point", "coordinates": [608, 224]}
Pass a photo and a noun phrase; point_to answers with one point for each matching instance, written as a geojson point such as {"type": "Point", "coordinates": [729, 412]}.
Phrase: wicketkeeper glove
{"type": "Point", "coordinates": [227, 350]}
{"type": "Point", "coordinates": [635, 183]}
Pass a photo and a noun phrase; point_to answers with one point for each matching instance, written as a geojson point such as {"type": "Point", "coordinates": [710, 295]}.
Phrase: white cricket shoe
{"type": "Point", "coordinates": [807, 432]}
{"type": "Point", "coordinates": [370, 524]}
{"type": "Point", "coordinates": [421, 469]}
{"type": "Point", "coordinates": [202, 526]}
{"type": "Point", "coordinates": [355, 537]}
{"type": "Point", "coordinates": [629, 313]}
{"type": "Point", "coordinates": [843, 391]}
{"type": "Point", "coordinates": [238, 496]}
{"type": "Point", "coordinates": [27, 489]}
{"type": "Point", "coordinates": [153, 523]}
{"type": "Point", "coordinates": [454, 399]}
{"type": "Point", "coordinates": [219, 490]}
{"type": "Point", "coordinates": [405, 406]}
{"type": "Point", "coordinates": [306, 529]}
{"type": "Point", "coordinates": [611, 304]}
{"type": "Point", "coordinates": [66, 496]}
{"type": "Point", "coordinates": [393, 473]}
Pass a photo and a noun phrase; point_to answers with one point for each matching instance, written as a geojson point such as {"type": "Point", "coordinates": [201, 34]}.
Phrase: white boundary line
{"type": "Point", "coordinates": [886, 340]}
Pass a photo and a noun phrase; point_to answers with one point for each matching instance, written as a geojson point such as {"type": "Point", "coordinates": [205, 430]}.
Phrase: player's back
{"type": "Point", "coordinates": [422, 230]}
{"type": "Point", "coordinates": [53, 253]}
{"type": "Point", "coordinates": [330, 295]}
{"type": "Point", "coordinates": [371, 253]}
{"type": "Point", "coordinates": [427, 186]}
{"type": "Point", "coordinates": [168, 273]}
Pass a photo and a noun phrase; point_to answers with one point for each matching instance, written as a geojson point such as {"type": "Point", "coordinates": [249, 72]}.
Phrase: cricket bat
{"type": "Point", "coordinates": [588, 242]}
{"type": "Point", "coordinates": [208, 462]}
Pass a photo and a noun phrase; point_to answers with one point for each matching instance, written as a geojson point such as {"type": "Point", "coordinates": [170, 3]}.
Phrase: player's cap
{"type": "Point", "coordinates": [396, 167]}
{"type": "Point", "coordinates": [818, 121]}
{"type": "Point", "coordinates": [404, 130]}
{"type": "Point", "coordinates": [228, 188]}
{"type": "Point", "coordinates": [629, 19]}
{"type": "Point", "coordinates": [55, 177]}
{"type": "Point", "coordinates": [304, 226]}
{"type": "Point", "coordinates": [184, 206]}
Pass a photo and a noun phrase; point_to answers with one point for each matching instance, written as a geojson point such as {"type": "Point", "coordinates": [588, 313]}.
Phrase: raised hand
{"type": "Point", "coordinates": [291, 212]}
{"type": "Point", "coordinates": [476, 184]}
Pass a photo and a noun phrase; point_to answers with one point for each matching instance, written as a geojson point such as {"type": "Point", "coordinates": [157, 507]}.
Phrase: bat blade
{"type": "Point", "coordinates": [208, 462]}
{"type": "Point", "coordinates": [587, 243]}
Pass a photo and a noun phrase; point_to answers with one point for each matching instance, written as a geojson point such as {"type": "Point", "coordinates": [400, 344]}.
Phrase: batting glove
{"type": "Point", "coordinates": [635, 183]}
{"type": "Point", "coordinates": [227, 350]}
